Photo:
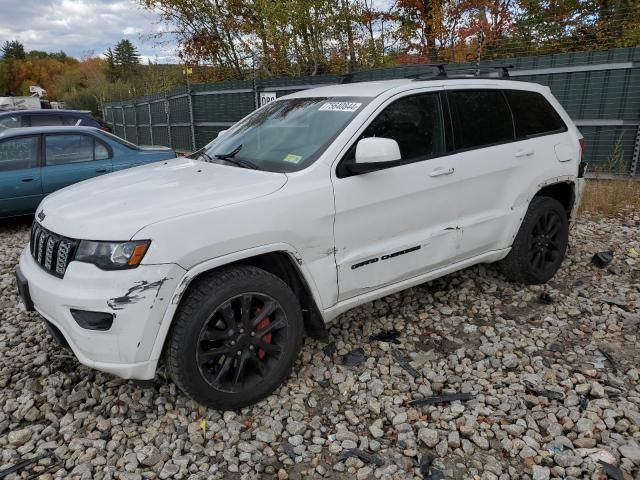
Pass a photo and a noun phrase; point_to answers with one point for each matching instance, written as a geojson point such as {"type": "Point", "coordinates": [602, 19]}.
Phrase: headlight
{"type": "Point", "coordinates": [112, 255]}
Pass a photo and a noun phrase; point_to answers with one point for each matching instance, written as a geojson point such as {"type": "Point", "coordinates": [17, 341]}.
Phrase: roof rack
{"type": "Point", "coordinates": [442, 73]}
{"type": "Point", "coordinates": [504, 70]}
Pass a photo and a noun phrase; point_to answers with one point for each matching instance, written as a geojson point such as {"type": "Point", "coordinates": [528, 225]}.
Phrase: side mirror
{"type": "Point", "coordinates": [375, 153]}
{"type": "Point", "coordinates": [221, 133]}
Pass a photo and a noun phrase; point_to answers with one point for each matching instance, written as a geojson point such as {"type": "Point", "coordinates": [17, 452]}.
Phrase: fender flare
{"type": "Point", "coordinates": [192, 273]}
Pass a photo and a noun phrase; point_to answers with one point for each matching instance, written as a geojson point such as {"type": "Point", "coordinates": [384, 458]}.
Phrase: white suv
{"type": "Point", "coordinates": [320, 201]}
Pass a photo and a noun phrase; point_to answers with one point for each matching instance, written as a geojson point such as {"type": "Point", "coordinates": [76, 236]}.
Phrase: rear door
{"type": "Point", "coordinates": [70, 158]}
{"type": "Point", "coordinates": [20, 176]}
{"type": "Point", "coordinates": [487, 164]}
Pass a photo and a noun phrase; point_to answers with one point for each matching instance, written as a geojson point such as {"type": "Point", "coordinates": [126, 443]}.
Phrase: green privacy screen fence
{"type": "Point", "coordinates": [599, 89]}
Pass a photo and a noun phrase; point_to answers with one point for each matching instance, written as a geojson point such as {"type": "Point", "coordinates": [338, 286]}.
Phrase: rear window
{"type": "Point", "coordinates": [533, 114]}
{"type": "Point", "coordinates": [480, 118]}
{"type": "Point", "coordinates": [119, 140]}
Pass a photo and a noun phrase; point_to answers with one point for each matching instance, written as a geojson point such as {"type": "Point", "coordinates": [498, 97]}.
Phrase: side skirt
{"type": "Point", "coordinates": [489, 257]}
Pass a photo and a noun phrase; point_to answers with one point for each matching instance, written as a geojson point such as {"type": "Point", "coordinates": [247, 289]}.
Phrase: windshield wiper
{"type": "Point", "coordinates": [241, 163]}
{"type": "Point", "coordinates": [228, 157]}
{"type": "Point", "coordinates": [231, 154]}
{"type": "Point", "coordinates": [201, 153]}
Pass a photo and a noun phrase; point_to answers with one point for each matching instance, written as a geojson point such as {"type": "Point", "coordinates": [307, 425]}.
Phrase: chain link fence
{"type": "Point", "coordinates": [599, 89]}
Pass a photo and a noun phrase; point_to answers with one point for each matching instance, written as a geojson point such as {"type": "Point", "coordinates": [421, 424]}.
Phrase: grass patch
{"type": "Point", "coordinates": [611, 197]}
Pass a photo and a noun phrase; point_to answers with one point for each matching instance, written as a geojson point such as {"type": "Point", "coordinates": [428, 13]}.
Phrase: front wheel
{"type": "Point", "coordinates": [540, 245]}
{"type": "Point", "coordinates": [235, 338]}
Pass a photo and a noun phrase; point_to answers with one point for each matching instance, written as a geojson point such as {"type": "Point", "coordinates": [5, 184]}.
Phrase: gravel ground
{"type": "Point", "coordinates": [553, 382]}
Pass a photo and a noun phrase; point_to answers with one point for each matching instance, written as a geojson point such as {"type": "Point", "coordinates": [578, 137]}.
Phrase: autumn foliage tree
{"type": "Point", "coordinates": [243, 38]}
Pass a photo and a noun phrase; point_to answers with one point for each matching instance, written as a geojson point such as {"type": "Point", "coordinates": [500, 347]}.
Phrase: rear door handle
{"type": "Point", "coordinates": [101, 170]}
{"type": "Point", "coordinates": [27, 179]}
{"type": "Point", "coordinates": [438, 172]}
{"type": "Point", "coordinates": [524, 153]}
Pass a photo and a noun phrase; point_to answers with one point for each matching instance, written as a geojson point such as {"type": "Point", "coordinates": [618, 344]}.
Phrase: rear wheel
{"type": "Point", "coordinates": [235, 338]}
{"type": "Point", "coordinates": [540, 245]}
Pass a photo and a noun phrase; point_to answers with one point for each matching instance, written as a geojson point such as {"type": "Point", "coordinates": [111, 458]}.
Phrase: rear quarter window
{"type": "Point", "coordinates": [533, 114]}
{"type": "Point", "coordinates": [480, 118]}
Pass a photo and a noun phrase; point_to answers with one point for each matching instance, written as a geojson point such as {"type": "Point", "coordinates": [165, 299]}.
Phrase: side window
{"type": "Point", "coordinates": [45, 121]}
{"type": "Point", "coordinates": [101, 152]}
{"type": "Point", "coordinates": [10, 122]}
{"type": "Point", "coordinates": [64, 149]}
{"type": "Point", "coordinates": [18, 153]}
{"type": "Point", "coordinates": [69, 120]}
{"type": "Point", "coordinates": [414, 122]}
{"type": "Point", "coordinates": [533, 114]}
{"type": "Point", "coordinates": [480, 118]}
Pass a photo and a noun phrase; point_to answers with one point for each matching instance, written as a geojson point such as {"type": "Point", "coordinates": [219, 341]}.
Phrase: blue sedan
{"type": "Point", "coordinates": [37, 161]}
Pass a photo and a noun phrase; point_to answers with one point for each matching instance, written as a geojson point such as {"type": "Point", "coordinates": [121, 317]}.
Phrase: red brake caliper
{"type": "Point", "coordinates": [264, 323]}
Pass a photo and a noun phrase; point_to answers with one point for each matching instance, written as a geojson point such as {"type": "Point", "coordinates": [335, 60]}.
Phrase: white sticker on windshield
{"type": "Point", "coordinates": [340, 107]}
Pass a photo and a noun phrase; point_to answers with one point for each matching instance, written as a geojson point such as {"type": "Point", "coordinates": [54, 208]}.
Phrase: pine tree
{"type": "Point", "coordinates": [13, 50]}
{"type": "Point", "coordinates": [123, 60]}
{"type": "Point", "coordinates": [110, 67]}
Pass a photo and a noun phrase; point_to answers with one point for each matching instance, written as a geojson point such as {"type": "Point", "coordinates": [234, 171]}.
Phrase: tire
{"type": "Point", "coordinates": [211, 327]}
{"type": "Point", "coordinates": [540, 245]}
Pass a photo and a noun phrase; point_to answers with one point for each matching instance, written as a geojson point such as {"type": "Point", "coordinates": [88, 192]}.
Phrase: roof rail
{"type": "Point", "coordinates": [504, 70]}
{"type": "Point", "coordinates": [442, 73]}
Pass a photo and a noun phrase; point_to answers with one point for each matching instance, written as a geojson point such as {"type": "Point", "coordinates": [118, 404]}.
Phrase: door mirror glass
{"type": "Point", "coordinates": [377, 150]}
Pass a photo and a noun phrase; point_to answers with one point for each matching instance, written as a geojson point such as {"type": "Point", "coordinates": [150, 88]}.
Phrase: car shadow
{"type": "Point", "coordinates": [15, 222]}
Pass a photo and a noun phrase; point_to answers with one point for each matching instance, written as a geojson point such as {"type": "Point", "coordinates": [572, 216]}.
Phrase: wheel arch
{"type": "Point", "coordinates": [281, 260]}
{"type": "Point", "coordinates": [563, 191]}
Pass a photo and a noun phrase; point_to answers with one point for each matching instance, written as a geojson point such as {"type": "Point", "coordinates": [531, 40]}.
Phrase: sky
{"type": "Point", "coordinates": [81, 27]}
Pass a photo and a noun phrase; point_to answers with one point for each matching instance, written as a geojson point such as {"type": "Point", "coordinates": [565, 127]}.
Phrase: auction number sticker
{"type": "Point", "coordinates": [340, 107]}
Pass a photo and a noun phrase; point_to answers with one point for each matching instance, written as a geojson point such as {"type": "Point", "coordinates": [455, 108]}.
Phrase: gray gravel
{"type": "Point", "coordinates": [555, 387]}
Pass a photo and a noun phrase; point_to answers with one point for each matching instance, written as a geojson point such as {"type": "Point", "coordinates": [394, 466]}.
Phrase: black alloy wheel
{"type": "Point", "coordinates": [235, 337]}
{"type": "Point", "coordinates": [241, 341]}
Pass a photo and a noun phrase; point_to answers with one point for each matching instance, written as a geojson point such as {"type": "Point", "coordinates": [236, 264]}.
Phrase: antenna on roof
{"type": "Point", "coordinates": [442, 73]}
{"type": "Point", "coordinates": [346, 78]}
{"type": "Point", "coordinates": [505, 70]}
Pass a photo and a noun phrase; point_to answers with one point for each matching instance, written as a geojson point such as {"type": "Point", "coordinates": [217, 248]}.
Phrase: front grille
{"type": "Point", "coordinates": [52, 252]}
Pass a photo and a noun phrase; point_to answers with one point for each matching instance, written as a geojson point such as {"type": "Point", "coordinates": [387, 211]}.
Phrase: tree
{"type": "Point", "coordinates": [126, 54]}
{"type": "Point", "coordinates": [13, 50]}
{"type": "Point", "coordinates": [122, 61]}
{"type": "Point", "coordinates": [110, 64]}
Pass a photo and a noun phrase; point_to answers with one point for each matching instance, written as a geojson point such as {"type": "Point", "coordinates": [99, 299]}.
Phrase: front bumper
{"type": "Point", "coordinates": [137, 298]}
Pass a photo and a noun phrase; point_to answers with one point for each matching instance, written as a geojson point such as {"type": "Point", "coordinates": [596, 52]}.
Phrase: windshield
{"type": "Point", "coordinates": [284, 136]}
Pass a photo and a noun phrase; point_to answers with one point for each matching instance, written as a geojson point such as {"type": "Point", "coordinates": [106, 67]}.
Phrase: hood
{"type": "Point", "coordinates": [116, 206]}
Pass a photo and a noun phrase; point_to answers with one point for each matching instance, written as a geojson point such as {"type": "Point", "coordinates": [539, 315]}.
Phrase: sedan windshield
{"type": "Point", "coordinates": [284, 136]}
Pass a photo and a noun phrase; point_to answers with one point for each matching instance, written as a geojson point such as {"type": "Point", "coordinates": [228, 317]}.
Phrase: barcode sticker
{"type": "Point", "coordinates": [340, 107]}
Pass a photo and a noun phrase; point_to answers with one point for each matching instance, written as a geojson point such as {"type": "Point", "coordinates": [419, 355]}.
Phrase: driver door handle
{"type": "Point", "coordinates": [27, 179]}
{"type": "Point", "coordinates": [101, 170]}
{"type": "Point", "coordinates": [438, 172]}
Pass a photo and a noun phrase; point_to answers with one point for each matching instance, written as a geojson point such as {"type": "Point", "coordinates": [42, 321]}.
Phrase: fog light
{"type": "Point", "coordinates": [93, 320]}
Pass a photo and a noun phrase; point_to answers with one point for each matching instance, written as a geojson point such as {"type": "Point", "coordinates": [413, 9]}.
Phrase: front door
{"type": "Point", "coordinates": [20, 180]}
{"type": "Point", "coordinates": [71, 158]}
{"type": "Point", "coordinates": [400, 222]}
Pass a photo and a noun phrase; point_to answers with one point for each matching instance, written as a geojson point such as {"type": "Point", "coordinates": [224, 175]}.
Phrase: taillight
{"type": "Point", "coordinates": [106, 129]}
{"type": "Point", "coordinates": [581, 147]}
